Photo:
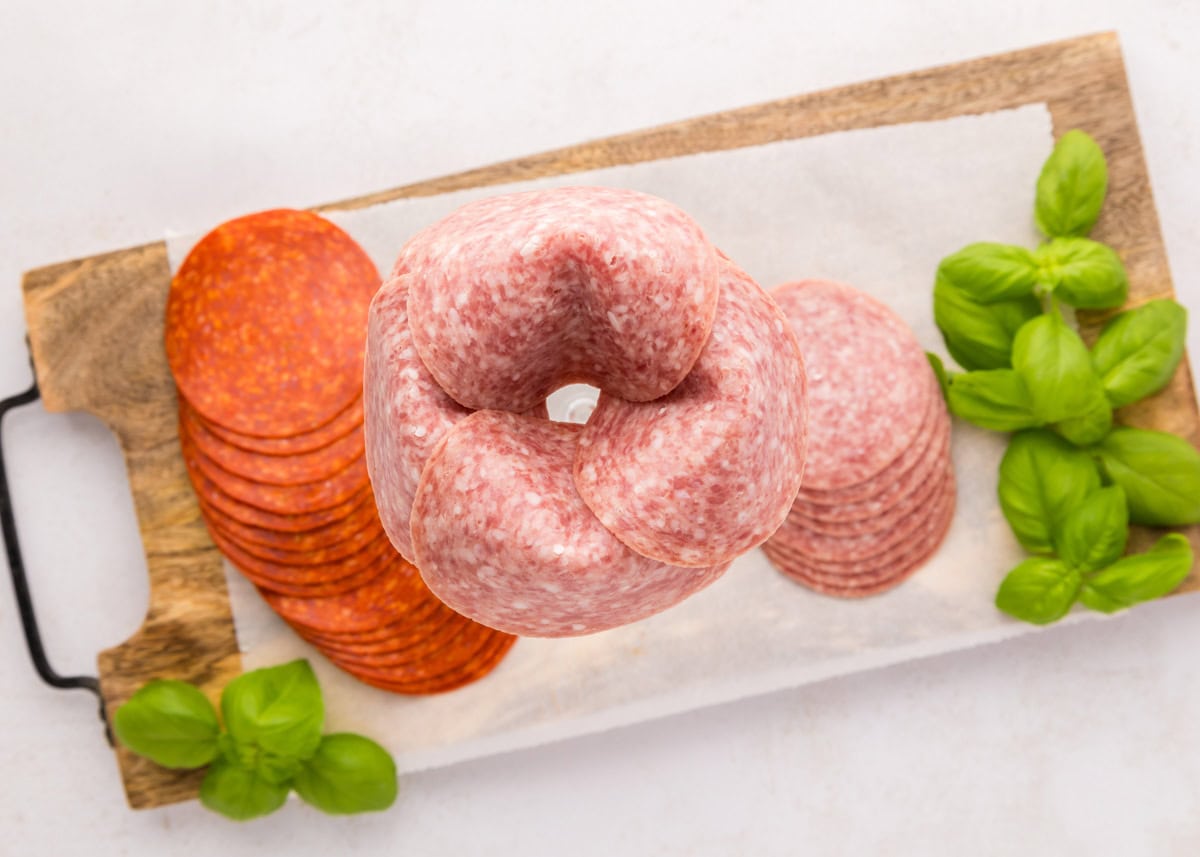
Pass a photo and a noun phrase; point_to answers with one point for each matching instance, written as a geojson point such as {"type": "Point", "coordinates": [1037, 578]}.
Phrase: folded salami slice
{"type": "Point", "coordinates": [407, 413]}
{"type": "Point", "coordinates": [513, 296]}
{"type": "Point", "coordinates": [710, 470]}
{"type": "Point", "coordinates": [501, 535]}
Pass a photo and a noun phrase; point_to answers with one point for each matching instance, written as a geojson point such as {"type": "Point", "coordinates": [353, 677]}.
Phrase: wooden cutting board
{"type": "Point", "coordinates": [95, 325]}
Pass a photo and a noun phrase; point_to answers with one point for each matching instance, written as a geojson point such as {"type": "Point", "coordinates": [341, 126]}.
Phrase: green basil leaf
{"type": "Point", "coordinates": [1095, 600]}
{"type": "Point", "coordinates": [939, 372]}
{"type": "Point", "coordinates": [1137, 352]}
{"type": "Point", "coordinates": [1159, 472]}
{"type": "Point", "coordinates": [991, 272]}
{"type": "Point", "coordinates": [1042, 477]}
{"type": "Point", "coordinates": [348, 773]}
{"type": "Point", "coordinates": [1141, 577]}
{"type": "Point", "coordinates": [1083, 273]}
{"type": "Point", "coordinates": [169, 722]}
{"type": "Point", "coordinates": [1056, 368]}
{"type": "Point", "coordinates": [278, 709]}
{"type": "Point", "coordinates": [1092, 426]}
{"type": "Point", "coordinates": [1095, 532]}
{"type": "Point", "coordinates": [1071, 187]}
{"type": "Point", "coordinates": [979, 335]}
{"type": "Point", "coordinates": [240, 793]}
{"type": "Point", "coordinates": [995, 399]}
{"type": "Point", "coordinates": [1039, 590]}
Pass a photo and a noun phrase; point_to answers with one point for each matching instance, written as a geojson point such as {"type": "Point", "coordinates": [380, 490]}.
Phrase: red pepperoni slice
{"type": "Point", "coordinates": [210, 494]}
{"type": "Point", "coordinates": [296, 469]}
{"type": "Point", "coordinates": [346, 422]}
{"type": "Point", "coordinates": [332, 491]}
{"type": "Point", "coordinates": [264, 323]}
{"type": "Point", "coordinates": [386, 598]}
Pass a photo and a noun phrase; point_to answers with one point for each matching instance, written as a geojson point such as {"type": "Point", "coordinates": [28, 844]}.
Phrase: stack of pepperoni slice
{"type": "Point", "coordinates": [878, 493]}
{"type": "Point", "coordinates": [265, 331]}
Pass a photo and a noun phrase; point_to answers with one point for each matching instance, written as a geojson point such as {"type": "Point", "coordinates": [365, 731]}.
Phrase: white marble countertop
{"type": "Point", "coordinates": [1077, 739]}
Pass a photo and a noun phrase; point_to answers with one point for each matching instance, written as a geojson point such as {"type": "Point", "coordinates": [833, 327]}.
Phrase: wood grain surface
{"type": "Point", "coordinates": [96, 325]}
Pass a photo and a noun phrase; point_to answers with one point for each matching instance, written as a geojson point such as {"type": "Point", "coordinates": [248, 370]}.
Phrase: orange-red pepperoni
{"type": "Point", "coordinates": [330, 491]}
{"type": "Point", "coordinates": [265, 322]}
{"type": "Point", "coordinates": [297, 522]}
{"type": "Point", "coordinates": [347, 421]}
{"type": "Point", "coordinates": [381, 601]}
{"type": "Point", "coordinates": [297, 469]}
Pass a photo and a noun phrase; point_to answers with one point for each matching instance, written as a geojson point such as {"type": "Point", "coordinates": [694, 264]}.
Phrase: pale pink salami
{"type": "Point", "coordinates": [869, 542]}
{"type": "Point", "coordinates": [921, 455]}
{"type": "Point", "coordinates": [405, 412]}
{"type": "Point", "coordinates": [879, 493]}
{"type": "Point", "coordinates": [513, 296]}
{"type": "Point", "coordinates": [869, 577]}
{"type": "Point", "coordinates": [868, 381]}
{"type": "Point", "coordinates": [501, 535]}
{"type": "Point", "coordinates": [896, 490]}
{"type": "Point", "coordinates": [710, 470]}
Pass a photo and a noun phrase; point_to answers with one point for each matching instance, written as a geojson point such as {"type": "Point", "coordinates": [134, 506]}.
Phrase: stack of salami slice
{"type": "Point", "coordinates": [265, 331]}
{"type": "Point", "coordinates": [878, 492]}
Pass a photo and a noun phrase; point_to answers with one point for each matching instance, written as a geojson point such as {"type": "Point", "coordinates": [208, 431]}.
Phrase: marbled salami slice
{"type": "Point", "coordinates": [501, 535]}
{"type": "Point", "coordinates": [869, 381]}
{"type": "Point", "coordinates": [710, 470]}
{"type": "Point", "coordinates": [858, 580]}
{"type": "Point", "coordinates": [869, 543]}
{"type": "Point", "coordinates": [923, 451]}
{"type": "Point", "coordinates": [885, 517]}
{"type": "Point", "coordinates": [513, 296]}
{"type": "Point", "coordinates": [847, 517]}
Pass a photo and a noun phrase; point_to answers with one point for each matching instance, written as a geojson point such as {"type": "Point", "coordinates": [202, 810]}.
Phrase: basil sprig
{"type": "Point", "coordinates": [1082, 273]}
{"type": "Point", "coordinates": [1070, 483]}
{"type": "Point", "coordinates": [272, 744]}
{"type": "Point", "coordinates": [1089, 540]}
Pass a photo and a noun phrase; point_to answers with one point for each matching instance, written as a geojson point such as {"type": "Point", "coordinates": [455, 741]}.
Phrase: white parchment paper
{"type": "Point", "coordinates": [876, 208]}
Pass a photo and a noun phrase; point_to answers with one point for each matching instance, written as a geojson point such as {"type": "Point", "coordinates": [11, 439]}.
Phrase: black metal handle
{"type": "Point", "coordinates": [16, 567]}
